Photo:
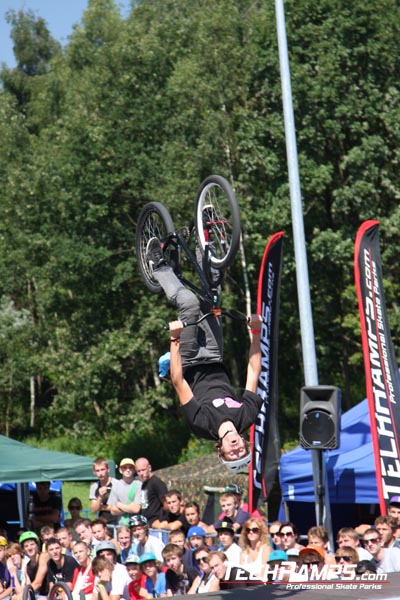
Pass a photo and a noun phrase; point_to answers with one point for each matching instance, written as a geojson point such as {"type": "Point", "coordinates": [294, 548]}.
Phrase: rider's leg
{"type": "Point", "coordinates": [199, 343]}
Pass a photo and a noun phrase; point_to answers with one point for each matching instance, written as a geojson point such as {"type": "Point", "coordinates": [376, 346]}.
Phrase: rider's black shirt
{"type": "Point", "coordinates": [214, 401]}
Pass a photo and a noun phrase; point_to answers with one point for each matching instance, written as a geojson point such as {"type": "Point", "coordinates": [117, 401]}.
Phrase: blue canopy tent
{"type": "Point", "coordinates": [351, 476]}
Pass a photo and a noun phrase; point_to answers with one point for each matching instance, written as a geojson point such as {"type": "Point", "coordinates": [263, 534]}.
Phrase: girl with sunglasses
{"type": "Point", "coordinates": [346, 558]}
{"type": "Point", "coordinates": [206, 581]}
{"type": "Point", "coordinates": [256, 547]}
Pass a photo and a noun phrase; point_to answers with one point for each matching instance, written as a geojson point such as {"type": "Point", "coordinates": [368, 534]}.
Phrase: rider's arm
{"type": "Point", "coordinates": [254, 364]}
{"type": "Point", "coordinates": [180, 384]}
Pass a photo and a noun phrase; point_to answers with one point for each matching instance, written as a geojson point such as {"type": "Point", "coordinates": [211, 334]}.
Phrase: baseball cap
{"type": "Point", "coordinates": [394, 500]}
{"type": "Point", "coordinates": [233, 488]}
{"type": "Point", "coordinates": [277, 555]}
{"type": "Point", "coordinates": [225, 525]}
{"type": "Point", "coordinates": [146, 556]}
{"type": "Point", "coordinates": [3, 541]}
{"type": "Point", "coordinates": [132, 559]}
{"type": "Point", "coordinates": [126, 461]}
{"type": "Point", "coordinates": [196, 530]}
{"type": "Point", "coordinates": [312, 548]}
{"type": "Point", "coordinates": [292, 552]}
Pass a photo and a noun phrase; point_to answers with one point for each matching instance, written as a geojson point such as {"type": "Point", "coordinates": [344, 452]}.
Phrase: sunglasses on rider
{"type": "Point", "coordinates": [252, 530]}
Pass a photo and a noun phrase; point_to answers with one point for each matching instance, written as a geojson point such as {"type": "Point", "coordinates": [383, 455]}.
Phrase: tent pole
{"type": "Point", "coordinates": [321, 490]}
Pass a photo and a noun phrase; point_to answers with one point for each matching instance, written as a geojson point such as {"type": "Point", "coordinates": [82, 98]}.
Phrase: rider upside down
{"type": "Point", "coordinates": [209, 402]}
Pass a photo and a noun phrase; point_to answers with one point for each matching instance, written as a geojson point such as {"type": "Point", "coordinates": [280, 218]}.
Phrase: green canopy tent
{"type": "Point", "coordinates": [21, 463]}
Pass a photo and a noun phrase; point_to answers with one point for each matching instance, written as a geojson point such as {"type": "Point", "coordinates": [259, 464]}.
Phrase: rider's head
{"type": "Point", "coordinates": [234, 452]}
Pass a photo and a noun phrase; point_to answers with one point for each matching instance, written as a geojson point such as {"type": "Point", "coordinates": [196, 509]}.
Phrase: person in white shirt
{"type": "Point", "coordinates": [226, 541]}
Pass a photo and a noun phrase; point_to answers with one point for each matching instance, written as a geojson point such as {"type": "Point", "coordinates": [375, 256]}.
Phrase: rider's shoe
{"type": "Point", "coordinates": [154, 254]}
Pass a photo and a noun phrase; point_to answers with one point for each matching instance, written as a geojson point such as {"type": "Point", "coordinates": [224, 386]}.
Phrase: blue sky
{"type": "Point", "coordinates": [60, 16]}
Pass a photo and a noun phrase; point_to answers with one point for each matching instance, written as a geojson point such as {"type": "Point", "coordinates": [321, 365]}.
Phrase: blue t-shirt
{"type": "Point", "coordinates": [160, 587]}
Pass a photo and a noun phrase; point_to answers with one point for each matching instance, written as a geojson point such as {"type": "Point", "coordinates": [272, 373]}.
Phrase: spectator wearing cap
{"type": "Point", "coordinates": [155, 583]}
{"type": "Point", "coordinates": [387, 559]}
{"type": "Point", "coordinates": [394, 509]}
{"type": "Point", "coordinates": [366, 567]}
{"type": "Point", "coordinates": [275, 572]}
{"type": "Point", "coordinates": [5, 578]}
{"type": "Point", "coordinates": [145, 541]}
{"type": "Point", "coordinates": [174, 517]}
{"type": "Point", "coordinates": [226, 541]}
{"type": "Point", "coordinates": [148, 500]}
{"type": "Point", "coordinates": [313, 557]}
{"type": "Point", "coordinates": [118, 587]}
{"type": "Point", "coordinates": [386, 527]}
{"type": "Point", "coordinates": [230, 509]}
{"type": "Point", "coordinates": [36, 568]}
{"type": "Point", "coordinates": [100, 490]}
{"type": "Point", "coordinates": [136, 587]}
{"type": "Point", "coordinates": [123, 494]}
{"type": "Point", "coordinates": [196, 537]}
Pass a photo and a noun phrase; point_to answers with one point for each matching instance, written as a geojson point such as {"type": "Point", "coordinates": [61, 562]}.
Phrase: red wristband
{"type": "Point", "coordinates": [255, 331]}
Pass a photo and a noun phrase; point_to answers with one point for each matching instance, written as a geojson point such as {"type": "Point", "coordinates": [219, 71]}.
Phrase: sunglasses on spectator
{"type": "Point", "coordinates": [311, 562]}
{"type": "Point", "coordinates": [286, 533]}
{"type": "Point", "coordinates": [201, 559]}
{"type": "Point", "coordinates": [346, 558]}
{"type": "Point", "coordinates": [275, 533]}
{"type": "Point", "coordinates": [374, 540]}
{"type": "Point", "coordinates": [252, 530]}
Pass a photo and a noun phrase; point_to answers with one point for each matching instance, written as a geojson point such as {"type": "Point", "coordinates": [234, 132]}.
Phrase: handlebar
{"type": "Point", "coordinates": [215, 313]}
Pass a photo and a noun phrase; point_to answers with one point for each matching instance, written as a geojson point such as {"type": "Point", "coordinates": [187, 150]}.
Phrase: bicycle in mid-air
{"type": "Point", "coordinates": [215, 229]}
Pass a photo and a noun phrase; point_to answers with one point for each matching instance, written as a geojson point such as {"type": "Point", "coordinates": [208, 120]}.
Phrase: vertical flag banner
{"type": "Point", "coordinates": [264, 434]}
{"type": "Point", "coordinates": [381, 371]}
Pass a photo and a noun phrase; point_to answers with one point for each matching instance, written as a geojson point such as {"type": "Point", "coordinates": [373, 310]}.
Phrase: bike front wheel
{"type": "Point", "coordinates": [60, 591]}
{"type": "Point", "coordinates": [154, 221]}
{"type": "Point", "coordinates": [217, 221]}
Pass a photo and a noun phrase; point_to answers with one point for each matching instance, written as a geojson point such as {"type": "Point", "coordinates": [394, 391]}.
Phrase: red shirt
{"type": "Point", "coordinates": [134, 588]}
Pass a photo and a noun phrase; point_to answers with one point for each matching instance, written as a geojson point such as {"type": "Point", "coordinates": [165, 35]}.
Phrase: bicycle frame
{"type": "Point", "coordinates": [206, 292]}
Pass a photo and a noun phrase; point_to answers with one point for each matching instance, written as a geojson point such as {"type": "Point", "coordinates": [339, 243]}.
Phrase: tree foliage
{"type": "Point", "coordinates": [143, 108]}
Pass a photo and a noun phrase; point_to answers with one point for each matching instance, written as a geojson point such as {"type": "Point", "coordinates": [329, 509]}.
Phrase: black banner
{"type": "Point", "coordinates": [381, 372]}
{"type": "Point", "coordinates": [264, 434]}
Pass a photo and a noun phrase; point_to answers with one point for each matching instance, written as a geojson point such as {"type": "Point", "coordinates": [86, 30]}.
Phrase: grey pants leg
{"type": "Point", "coordinates": [199, 343]}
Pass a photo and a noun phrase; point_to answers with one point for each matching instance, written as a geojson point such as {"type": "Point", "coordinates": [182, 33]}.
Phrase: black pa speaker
{"type": "Point", "coordinates": [320, 409]}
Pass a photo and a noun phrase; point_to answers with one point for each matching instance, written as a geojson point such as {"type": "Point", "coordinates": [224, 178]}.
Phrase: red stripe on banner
{"type": "Point", "coordinates": [367, 363]}
{"type": "Point", "coordinates": [381, 372]}
{"type": "Point", "coordinates": [259, 432]}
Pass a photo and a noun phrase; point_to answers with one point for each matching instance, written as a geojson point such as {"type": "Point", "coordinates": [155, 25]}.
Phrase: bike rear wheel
{"type": "Point", "coordinates": [154, 221]}
{"type": "Point", "coordinates": [60, 590]}
{"type": "Point", "coordinates": [217, 221]}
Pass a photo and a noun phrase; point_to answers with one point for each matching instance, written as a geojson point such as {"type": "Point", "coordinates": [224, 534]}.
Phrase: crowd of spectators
{"type": "Point", "coordinates": [148, 541]}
